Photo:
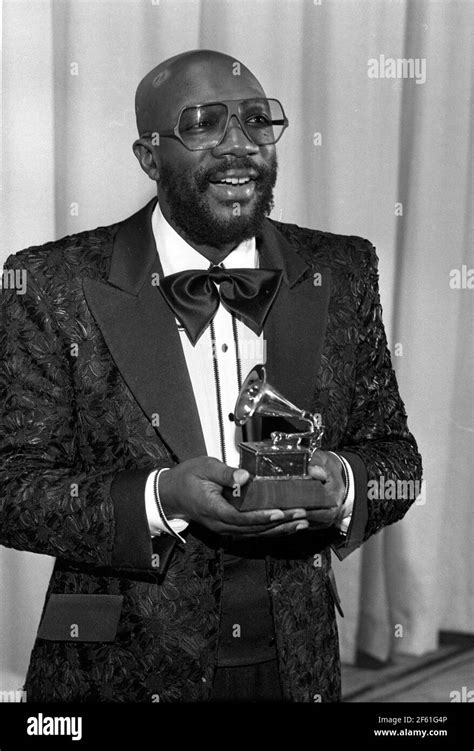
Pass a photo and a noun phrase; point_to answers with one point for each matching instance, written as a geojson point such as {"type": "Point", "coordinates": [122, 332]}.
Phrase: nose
{"type": "Point", "coordinates": [235, 141]}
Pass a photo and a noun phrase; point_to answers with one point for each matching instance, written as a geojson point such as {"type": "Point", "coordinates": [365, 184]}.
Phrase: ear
{"type": "Point", "coordinates": [148, 155]}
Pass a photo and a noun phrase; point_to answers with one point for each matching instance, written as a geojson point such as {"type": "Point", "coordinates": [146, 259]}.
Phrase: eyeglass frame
{"type": "Point", "coordinates": [232, 111]}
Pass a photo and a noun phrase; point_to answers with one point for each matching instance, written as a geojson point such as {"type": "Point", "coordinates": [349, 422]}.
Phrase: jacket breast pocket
{"type": "Point", "coordinates": [81, 618]}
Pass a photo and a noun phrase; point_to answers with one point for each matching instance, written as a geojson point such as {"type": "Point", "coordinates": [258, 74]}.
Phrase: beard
{"type": "Point", "coordinates": [189, 210]}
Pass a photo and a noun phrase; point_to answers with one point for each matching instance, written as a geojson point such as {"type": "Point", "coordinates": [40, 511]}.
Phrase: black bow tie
{"type": "Point", "coordinates": [194, 296]}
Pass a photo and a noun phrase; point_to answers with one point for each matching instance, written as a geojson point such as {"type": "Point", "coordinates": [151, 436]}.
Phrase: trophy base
{"type": "Point", "coordinates": [279, 493]}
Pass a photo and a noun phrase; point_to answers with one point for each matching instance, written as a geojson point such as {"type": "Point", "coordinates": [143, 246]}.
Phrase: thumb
{"type": "Point", "coordinates": [228, 476]}
{"type": "Point", "coordinates": [240, 476]}
{"type": "Point", "coordinates": [317, 472]}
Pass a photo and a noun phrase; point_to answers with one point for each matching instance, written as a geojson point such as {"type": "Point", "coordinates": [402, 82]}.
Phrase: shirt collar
{"type": "Point", "coordinates": [177, 255]}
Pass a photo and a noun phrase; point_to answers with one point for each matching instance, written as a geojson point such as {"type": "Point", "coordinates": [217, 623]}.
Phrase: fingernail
{"type": "Point", "coordinates": [276, 515]}
{"type": "Point", "coordinates": [300, 514]}
{"type": "Point", "coordinates": [302, 525]}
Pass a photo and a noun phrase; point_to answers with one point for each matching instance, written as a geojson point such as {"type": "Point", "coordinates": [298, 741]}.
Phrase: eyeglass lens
{"type": "Point", "coordinates": [203, 127]}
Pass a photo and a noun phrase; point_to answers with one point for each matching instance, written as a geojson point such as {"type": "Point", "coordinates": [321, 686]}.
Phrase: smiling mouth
{"type": "Point", "coordinates": [234, 177]}
{"type": "Point", "coordinates": [233, 181]}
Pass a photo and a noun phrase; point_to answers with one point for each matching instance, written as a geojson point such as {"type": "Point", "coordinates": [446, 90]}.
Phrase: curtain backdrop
{"type": "Point", "coordinates": [390, 163]}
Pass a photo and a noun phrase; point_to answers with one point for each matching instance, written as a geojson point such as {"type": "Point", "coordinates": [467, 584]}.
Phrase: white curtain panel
{"type": "Point", "coordinates": [384, 158]}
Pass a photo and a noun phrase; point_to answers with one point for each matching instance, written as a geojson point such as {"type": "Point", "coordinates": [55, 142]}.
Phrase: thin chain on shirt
{"type": "Point", "coordinates": [218, 390]}
{"type": "Point", "coordinates": [217, 376]}
{"type": "Point", "coordinates": [237, 352]}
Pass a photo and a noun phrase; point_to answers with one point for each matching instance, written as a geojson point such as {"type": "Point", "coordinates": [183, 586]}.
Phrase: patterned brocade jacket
{"type": "Point", "coordinates": [89, 353]}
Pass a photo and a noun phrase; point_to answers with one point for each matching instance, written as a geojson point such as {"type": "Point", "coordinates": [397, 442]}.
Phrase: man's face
{"type": "Point", "coordinates": [191, 189]}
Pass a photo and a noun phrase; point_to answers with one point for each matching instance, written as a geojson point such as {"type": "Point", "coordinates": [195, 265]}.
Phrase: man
{"type": "Point", "coordinates": [121, 364]}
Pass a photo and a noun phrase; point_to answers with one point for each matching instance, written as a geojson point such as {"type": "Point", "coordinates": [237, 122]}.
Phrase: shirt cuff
{"type": "Point", "coordinates": [346, 511]}
{"type": "Point", "coordinates": [155, 522]}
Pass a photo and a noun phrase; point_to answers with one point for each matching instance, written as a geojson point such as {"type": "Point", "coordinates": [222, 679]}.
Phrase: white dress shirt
{"type": "Point", "coordinates": [215, 381]}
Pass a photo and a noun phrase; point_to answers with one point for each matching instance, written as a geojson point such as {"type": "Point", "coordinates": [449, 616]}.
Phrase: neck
{"type": "Point", "coordinates": [214, 254]}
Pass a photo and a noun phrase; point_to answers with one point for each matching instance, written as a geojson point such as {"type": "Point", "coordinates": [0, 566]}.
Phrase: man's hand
{"type": "Point", "coordinates": [192, 490]}
{"type": "Point", "coordinates": [326, 468]}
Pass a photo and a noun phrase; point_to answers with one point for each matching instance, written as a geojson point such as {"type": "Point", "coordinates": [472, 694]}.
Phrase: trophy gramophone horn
{"type": "Point", "coordinates": [257, 397]}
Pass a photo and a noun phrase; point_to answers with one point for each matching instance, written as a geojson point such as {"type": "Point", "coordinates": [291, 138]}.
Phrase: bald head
{"type": "Point", "coordinates": [190, 78]}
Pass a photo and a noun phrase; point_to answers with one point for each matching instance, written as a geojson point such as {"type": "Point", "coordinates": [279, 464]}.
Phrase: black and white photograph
{"type": "Point", "coordinates": [236, 357]}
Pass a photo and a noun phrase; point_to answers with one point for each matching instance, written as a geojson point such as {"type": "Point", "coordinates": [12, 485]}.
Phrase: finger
{"type": "Point", "coordinates": [220, 510]}
{"type": "Point", "coordinates": [251, 530]}
{"type": "Point", "coordinates": [323, 517]}
{"type": "Point", "coordinates": [281, 530]}
{"type": "Point", "coordinates": [264, 517]}
{"type": "Point", "coordinates": [319, 458]}
{"type": "Point", "coordinates": [317, 473]}
{"type": "Point", "coordinates": [223, 475]}
{"type": "Point", "coordinates": [240, 477]}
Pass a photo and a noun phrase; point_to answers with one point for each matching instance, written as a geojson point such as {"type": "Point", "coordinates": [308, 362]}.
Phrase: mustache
{"type": "Point", "coordinates": [237, 163]}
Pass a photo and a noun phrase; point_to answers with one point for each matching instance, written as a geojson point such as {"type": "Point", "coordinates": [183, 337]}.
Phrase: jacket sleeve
{"type": "Point", "coordinates": [51, 501]}
{"type": "Point", "coordinates": [378, 444]}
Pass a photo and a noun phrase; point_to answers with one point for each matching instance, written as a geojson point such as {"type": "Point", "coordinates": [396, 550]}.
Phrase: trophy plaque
{"type": "Point", "coordinates": [278, 466]}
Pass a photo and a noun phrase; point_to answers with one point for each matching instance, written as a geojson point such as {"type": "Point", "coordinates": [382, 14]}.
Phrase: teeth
{"type": "Point", "coordinates": [235, 180]}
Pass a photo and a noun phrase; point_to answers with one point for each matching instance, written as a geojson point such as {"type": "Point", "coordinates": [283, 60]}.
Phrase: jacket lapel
{"type": "Point", "coordinates": [141, 334]}
{"type": "Point", "coordinates": [296, 324]}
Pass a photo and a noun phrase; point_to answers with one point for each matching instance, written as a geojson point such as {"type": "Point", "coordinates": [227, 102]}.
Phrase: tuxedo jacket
{"type": "Point", "coordinates": [90, 355]}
